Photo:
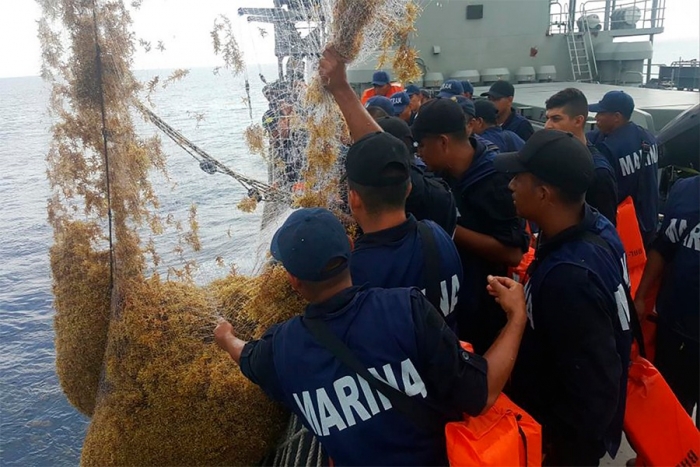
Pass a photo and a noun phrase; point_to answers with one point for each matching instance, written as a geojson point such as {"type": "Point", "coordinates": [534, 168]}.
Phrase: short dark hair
{"type": "Point", "coordinates": [460, 135]}
{"type": "Point", "coordinates": [377, 112]}
{"type": "Point", "coordinates": [318, 287]}
{"type": "Point", "coordinates": [566, 196]}
{"type": "Point", "coordinates": [572, 100]}
{"type": "Point", "coordinates": [379, 199]}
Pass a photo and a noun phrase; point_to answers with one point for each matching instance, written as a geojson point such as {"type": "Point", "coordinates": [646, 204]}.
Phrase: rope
{"type": "Point", "coordinates": [98, 57]}
{"type": "Point", "coordinates": [258, 190]}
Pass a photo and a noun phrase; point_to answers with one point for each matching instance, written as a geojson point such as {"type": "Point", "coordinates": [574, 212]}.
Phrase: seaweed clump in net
{"type": "Point", "coordinates": [134, 349]}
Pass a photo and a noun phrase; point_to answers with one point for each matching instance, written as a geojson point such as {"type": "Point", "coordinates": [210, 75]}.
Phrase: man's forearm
{"type": "Point", "coordinates": [234, 347]}
{"type": "Point", "coordinates": [501, 356]}
{"type": "Point", "coordinates": [487, 247]}
{"type": "Point", "coordinates": [360, 123]}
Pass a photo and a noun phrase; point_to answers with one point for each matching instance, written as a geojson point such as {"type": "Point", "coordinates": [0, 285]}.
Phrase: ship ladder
{"type": "Point", "coordinates": [583, 66]}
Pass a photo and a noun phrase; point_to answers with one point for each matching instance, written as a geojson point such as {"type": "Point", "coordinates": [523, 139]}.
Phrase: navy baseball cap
{"type": "Point", "coordinates": [466, 104]}
{"type": "Point", "coordinates": [308, 241]}
{"type": "Point", "coordinates": [555, 157]}
{"type": "Point", "coordinates": [438, 117]}
{"type": "Point", "coordinates": [382, 102]}
{"type": "Point", "coordinates": [500, 89]}
{"type": "Point", "coordinates": [467, 87]}
{"type": "Point", "coordinates": [380, 78]}
{"type": "Point", "coordinates": [400, 101]}
{"type": "Point", "coordinates": [370, 157]}
{"type": "Point", "coordinates": [486, 110]}
{"type": "Point", "coordinates": [412, 89]}
{"type": "Point", "coordinates": [450, 88]}
{"type": "Point", "coordinates": [615, 101]}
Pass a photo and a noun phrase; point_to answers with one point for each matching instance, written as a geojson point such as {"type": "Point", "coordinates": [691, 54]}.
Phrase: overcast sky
{"type": "Point", "coordinates": [184, 25]}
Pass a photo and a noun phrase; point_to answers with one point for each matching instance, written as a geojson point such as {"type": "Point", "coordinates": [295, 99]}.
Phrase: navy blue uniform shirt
{"type": "Point", "coordinates": [678, 242]}
{"type": "Point", "coordinates": [485, 206]}
{"type": "Point", "coordinates": [571, 372]}
{"type": "Point", "coordinates": [633, 153]}
{"type": "Point", "coordinates": [505, 140]}
{"type": "Point", "coordinates": [431, 199]}
{"type": "Point", "coordinates": [518, 125]}
{"type": "Point", "coordinates": [602, 194]}
{"type": "Point", "coordinates": [395, 258]}
{"type": "Point", "coordinates": [403, 340]}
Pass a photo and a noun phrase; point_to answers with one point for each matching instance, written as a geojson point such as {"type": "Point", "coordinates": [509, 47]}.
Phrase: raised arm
{"type": "Point", "coordinates": [331, 69]}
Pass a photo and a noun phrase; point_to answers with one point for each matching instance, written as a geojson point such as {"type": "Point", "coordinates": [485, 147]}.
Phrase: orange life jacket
{"type": "Point", "coordinates": [505, 435]}
{"type": "Point", "coordinates": [658, 428]}
{"type": "Point", "coordinates": [628, 229]}
{"type": "Point", "coordinates": [395, 87]}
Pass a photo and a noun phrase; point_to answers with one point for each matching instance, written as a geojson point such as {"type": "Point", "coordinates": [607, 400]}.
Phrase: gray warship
{"type": "Point", "coordinates": [541, 46]}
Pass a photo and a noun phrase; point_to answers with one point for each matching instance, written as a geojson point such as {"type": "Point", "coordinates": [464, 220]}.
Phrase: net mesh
{"type": "Point", "coordinates": [133, 326]}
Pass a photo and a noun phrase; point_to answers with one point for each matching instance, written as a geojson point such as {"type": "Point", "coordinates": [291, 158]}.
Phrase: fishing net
{"type": "Point", "coordinates": [133, 323]}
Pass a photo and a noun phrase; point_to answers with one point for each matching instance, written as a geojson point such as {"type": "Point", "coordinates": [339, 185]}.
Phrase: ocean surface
{"type": "Point", "coordinates": [38, 427]}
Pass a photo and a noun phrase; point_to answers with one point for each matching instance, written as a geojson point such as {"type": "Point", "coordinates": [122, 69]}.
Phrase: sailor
{"type": "Point", "coordinates": [402, 105]}
{"type": "Point", "coordinates": [489, 235]}
{"type": "Point", "coordinates": [501, 93]}
{"type": "Point", "coordinates": [567, 110]}
{"type": "Point", "coordinates": [413, 92]}
{"type": "Point", "coordinates": [468, 89]}
{"type": "Point", "coordinates": [395, 335]}
{"type": "Point", "coordinates": [381, 86]}
{"type": "Point", "coordinates": [467, 106]}
{"type": "Point", "coordinates": [392, 250]}
{"type": "Point", "coordinates": [571, 374]}
{"type": "Point", "coordinates": [674, 259]}
{"type": "Point", "coordinates": [450, 88]}
{"type": "Point", "coordinates": [376, 103]}
{"type": "Point", "coordinates": [633, 153]}
{"type": "Point", "coordinates": [430, 197]}
{"type": "Point", "coordinates": [275, 122]}
{"type": "Point", "coordinates": [485, 125]}
{"type": "Point", "coordinates": [425, 96]}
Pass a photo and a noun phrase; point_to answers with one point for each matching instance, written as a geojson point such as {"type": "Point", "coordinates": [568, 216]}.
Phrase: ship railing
{"type": "Point", "coordinates": [558, 23]}
{"type": "Point", "coordinates": [626, 17]}
{"type": "Point", "coordinates": [620, 18]}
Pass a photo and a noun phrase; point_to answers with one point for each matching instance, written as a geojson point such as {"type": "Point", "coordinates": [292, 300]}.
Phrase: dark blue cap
{"type": "Point", "coordinates": [412, 89]}
{"type": "Point", "coordinates": [466, 104]}
{"type": "Point", "coordinates": [308, 241]}
{"type": "Point", "coordinates": [383, 103]}
{"type": "Point", "coordinates": [400, 100]}
{"type": "Point", "coordinates": [380, 78]}
{"type": "Point", "coordinates": [615, 101]}
{"type": "Point", "coordinates": [450, 88]}
{"type": "Point", "coordinates": [467, 86]}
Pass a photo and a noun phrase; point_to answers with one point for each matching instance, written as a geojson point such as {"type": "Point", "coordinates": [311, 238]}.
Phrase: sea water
{"type": "Point", "coordinates": [38, 426]}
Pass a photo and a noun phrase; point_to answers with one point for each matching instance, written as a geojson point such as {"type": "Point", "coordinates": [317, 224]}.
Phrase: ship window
{"type": "Point", "coordinates": [475, 11]}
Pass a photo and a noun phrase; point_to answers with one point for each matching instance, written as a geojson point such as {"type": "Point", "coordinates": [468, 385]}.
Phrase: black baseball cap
{"type": "Point", "coordinates": [438, 117]}
{"type": "Point", "coordinates": [308, 241]}
{"type": "Point", "coordinates": [486, 110]}
{"type": "Point", "coordinates": [500, 89]}
{"type": "Point", "coordinates": [371, 155]}
{"type": "Point", "coordinates": [395, 127]}
{"type": "Point", "coordinates": [555, 157]}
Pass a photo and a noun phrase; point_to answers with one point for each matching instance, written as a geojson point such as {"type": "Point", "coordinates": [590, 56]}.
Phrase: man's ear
{"type": "Point", "coordinates": [294, 282]}
{"type": "Point", "coordinates": [546, 193]}
{"type": "Point", "coordinates": [580, 121]}
{"type": "Point", "coordinates": [354, 200]}
{"type": "Point", "coordinates": [444, 142]}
